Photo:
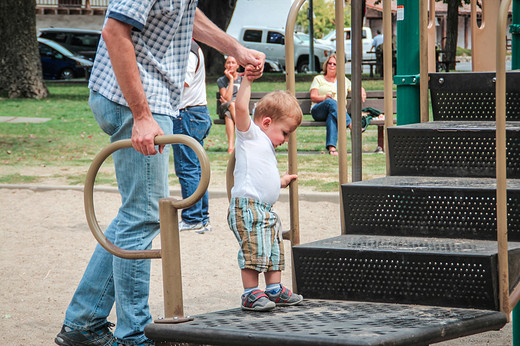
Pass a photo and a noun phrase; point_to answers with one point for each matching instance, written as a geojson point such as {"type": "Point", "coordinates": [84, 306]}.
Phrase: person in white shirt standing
{"type": "Point", "coordinates": [377, 41]}
{"type": "Point", "coordinates": [194, 120]}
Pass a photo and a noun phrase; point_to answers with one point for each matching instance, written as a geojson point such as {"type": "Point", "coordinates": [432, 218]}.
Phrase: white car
{"type": "Point", "coordinates": [271, 41]}
{"type": "Point", "coordinates": [366, 40]}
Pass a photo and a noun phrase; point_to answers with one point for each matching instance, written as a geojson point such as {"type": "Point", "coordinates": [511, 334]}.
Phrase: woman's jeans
{"type": "Point", "coordinates": [142, 181]}
{"type": "Point", "coordinates": [328, 111]}
{"type": "Point", "coordinates": [194, 122]}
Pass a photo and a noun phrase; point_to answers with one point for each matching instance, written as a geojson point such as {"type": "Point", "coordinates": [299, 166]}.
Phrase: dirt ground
{"type": "Point", "coordinates": [46, 243]}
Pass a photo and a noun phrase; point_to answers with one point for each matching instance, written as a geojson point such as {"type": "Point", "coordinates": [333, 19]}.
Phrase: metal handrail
{"type": "Point", "coordinates": [290, 81]}
{"type": "Point", "coordinates": [178, 204]}
{"type": "Point", "coordinates": [500, 113]}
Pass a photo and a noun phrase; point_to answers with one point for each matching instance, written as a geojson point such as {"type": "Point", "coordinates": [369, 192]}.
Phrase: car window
{"type": "Point", "coordinates": [364, 34]}
{"type": "Point", "coordinates": [44, 50]}
{"type": "Point", "coordinates": [55, 36]}
{"type": "Point", "coordinates": [85, 40]}
{"type": "Point", "coordinates": [253, 36]}
{"type": "Point", "coordinates": [48, 51]}
{"type": "Point", "coordinates": [275, 37]}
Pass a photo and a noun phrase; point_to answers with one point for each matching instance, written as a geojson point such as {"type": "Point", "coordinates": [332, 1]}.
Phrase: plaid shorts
{"type": "Point", "coordinates": [258, 231]}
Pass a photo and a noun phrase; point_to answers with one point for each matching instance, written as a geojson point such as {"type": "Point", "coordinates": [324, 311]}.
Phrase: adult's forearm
{"type": "Point", "coordinates": [315, 97]}
{"type": "Point", "coordinates": [205, 31]}
{"type": "Point", "coordinates": [122, 57]}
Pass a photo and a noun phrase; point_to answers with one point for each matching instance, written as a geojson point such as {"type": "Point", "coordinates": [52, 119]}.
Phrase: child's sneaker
{"type": "Point", "coordinates": [284, 297]}
{"type": "Point", "coordinates": [257, 301]}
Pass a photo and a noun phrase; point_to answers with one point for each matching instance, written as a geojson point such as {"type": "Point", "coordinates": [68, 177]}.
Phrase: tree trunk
{"type": "Point", "coordinates": [20, 66]}
{"type": "Point", "coordinates": [220, 13]}
{"type": "Point", "coordinates": [452, 26]}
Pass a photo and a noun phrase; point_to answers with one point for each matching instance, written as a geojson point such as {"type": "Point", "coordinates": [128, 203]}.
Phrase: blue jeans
{"type": "Point", "coordinates": [142, 181]}
{"type": "Point", "coordinates": [327, 110]}
{"type": "Point", "coordinates": [194, 122]}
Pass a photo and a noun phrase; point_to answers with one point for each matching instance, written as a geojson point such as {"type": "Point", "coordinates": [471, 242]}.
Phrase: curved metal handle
{"type": "Point", "coordinates": [88, 193]}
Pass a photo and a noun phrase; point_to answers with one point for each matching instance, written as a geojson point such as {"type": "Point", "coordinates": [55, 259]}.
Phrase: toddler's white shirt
{"type": "Point", "coordinates": [256, 169]}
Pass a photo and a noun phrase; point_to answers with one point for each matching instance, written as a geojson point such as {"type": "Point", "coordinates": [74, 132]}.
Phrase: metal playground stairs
{"type": "Point", "coordinates": [418, 262]}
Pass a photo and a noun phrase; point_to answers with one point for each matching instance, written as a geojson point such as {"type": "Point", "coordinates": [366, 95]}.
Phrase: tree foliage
{"type": "Point", "coordinates": [20, 66]}
{"type": "Point", "coordinates": [324, 19]}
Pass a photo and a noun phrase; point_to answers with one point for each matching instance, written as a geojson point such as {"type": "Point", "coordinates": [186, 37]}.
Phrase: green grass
{"type": "Point", "coordinates": [72, 138]}
{"type": "Point", "coordinates": [17, 178]}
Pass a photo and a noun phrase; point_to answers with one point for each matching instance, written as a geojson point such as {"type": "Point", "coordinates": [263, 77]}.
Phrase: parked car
{"type": "Point", "coordinates": [79, 41]}
{"type": "Point", "coordinates": [366, 41]}
{"type": "Point", "coordinates": [272, 66]}
{"type": "Point", "coordinates": [271, 41]}
{"type": "Point", "coordinates": [60, 63]}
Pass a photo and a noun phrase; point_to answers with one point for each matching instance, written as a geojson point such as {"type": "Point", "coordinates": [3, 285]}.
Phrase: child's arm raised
{"type": "Point", "coordinates": [242, 118]}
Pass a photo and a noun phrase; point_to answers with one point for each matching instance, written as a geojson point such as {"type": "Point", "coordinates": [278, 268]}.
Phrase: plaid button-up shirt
{"type": "Point", "coordinates": [161, 34]}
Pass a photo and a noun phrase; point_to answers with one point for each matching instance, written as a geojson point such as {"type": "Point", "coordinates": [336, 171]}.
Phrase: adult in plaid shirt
{"type": "Point", "coordinates": [136, 85]}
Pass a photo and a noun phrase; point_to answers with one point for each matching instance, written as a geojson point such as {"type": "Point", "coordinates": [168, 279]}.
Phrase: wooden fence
{"type": "Point", "coordinates": [87, 7]}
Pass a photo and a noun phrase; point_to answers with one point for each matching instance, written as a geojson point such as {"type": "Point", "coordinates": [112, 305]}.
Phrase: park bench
{"type": "Point", "coordinates": [375, 99]}
{"type": "Point", "coordinates": [370, 63]}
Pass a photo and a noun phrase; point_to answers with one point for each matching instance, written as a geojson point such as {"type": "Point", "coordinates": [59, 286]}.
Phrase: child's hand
{"type": "Point", "coordinates": [287, 179]}
{"type": "Point", "coordinates": [253, 72]}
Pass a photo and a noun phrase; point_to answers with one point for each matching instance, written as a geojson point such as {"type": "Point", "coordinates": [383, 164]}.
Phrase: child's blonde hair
{"type": "Point", "coordinates": [277, 105]}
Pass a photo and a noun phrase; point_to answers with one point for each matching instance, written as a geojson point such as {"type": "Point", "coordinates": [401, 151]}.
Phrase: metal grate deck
{"type": "Point", "coordinates": [330, 322]}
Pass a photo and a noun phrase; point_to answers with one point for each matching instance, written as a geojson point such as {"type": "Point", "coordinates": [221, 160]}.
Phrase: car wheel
{"type": "Point", "coordinates": [303, 65]}
{"type": "Point", "coordinates": [66, 74]}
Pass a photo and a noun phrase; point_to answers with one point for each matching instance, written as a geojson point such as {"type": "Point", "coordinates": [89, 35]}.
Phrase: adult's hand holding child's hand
{"type": "Point", "coordinates": [252, 73]}
{"type": "Point", "coordinates": [254, 59]}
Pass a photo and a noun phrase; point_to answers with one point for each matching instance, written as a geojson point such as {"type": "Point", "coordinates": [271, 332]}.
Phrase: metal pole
{"type": "Point", "coordinates": [387, 73]}
{"type": "Point", "coordinates": [342, 134]}
{"type": "Point", "coordinates": [515, 65]}
{"type": "Point", "coordinates": [357, 56]}
{"type": "Point", "coordinates": [407, 78]}
{"type": "Point", "coordinates": [516, 326]}
{"type": "Point", "coordinates": [423, 46]}
{"type": "Point", "coordinates": [294, 208]}
{"type": "Point", "coordinates": [171, 262]}
{"type": "Point", "coordinates": [515, 36]}
{"type": "Point", "coordinates": [503, 271]}
{"type": "Point", "coordinates": [310, 14]}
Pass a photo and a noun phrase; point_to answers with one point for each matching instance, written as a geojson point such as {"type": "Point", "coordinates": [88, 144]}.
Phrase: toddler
{"type": "Point", "coordinates": [257, 187]}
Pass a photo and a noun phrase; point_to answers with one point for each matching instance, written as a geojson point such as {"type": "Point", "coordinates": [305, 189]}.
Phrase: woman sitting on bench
{"type": "Point", "coordinates": [228, 86]}
{"type": "Point", "coordinates": [324, 100]}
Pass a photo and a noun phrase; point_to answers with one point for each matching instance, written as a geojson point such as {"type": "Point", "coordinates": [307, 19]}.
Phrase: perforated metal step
{"type": "Point", "coordinates": [471, 96]}
{"type": "Point", "coordinates": [429, 207]}
{"type": "Point", "coordinates": [427, 271]}
{"type": "Point", "coordinates": [330, 322]}
{"type": "Point", "coordinates": [465, 149]}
